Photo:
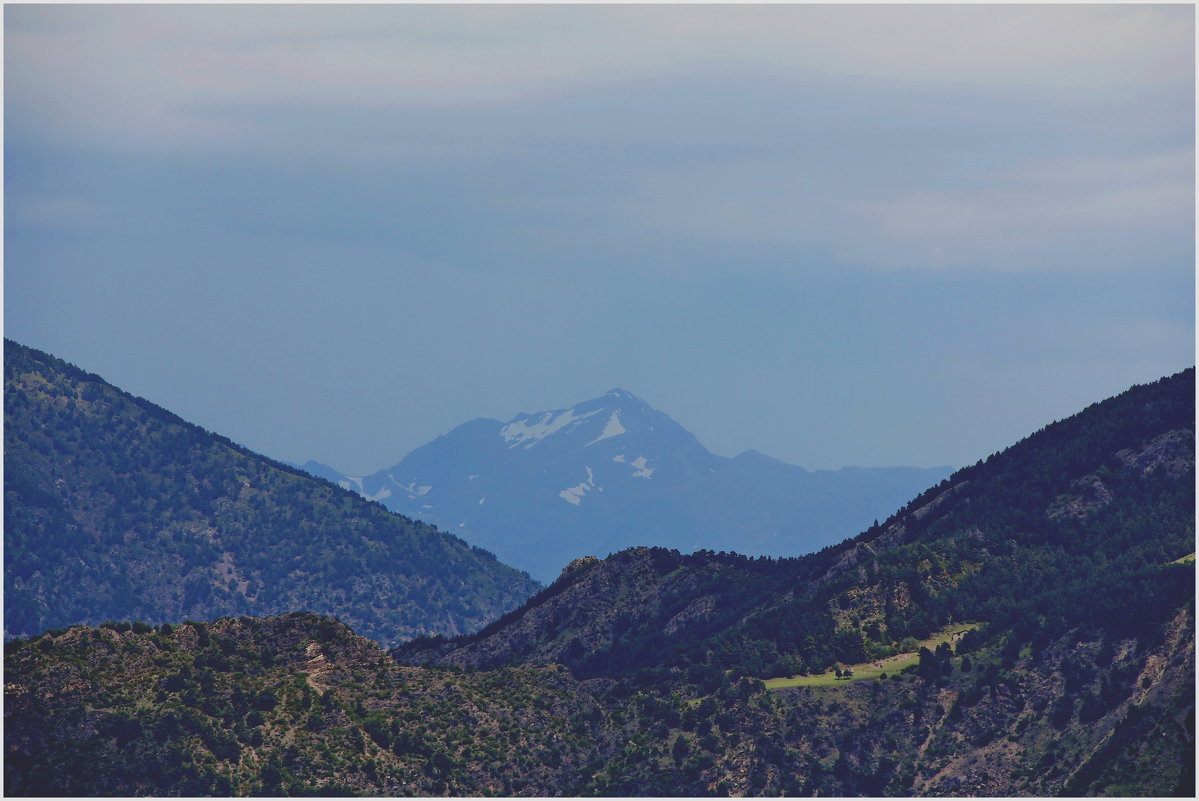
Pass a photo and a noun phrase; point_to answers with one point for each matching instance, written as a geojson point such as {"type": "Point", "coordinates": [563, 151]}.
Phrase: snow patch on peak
{"type": "Point", "coordinates": [612, 428]}
{"type": "Point", "coordinates": [642, 470]}
{"type": "Point", "coordinates": [411, 488]}
{"type": "Point", "coordinates": [352, 483]}
{"type": "Point", "coordinates": [575, 494]}
{"type": "Point", "coordinates": [522, 432]}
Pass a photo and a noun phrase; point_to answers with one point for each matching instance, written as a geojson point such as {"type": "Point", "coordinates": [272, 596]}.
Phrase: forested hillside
{"type": "Point", "coordinates": [286, 706]}
{"type": "Point", "coordinates": [1025, 628]}
{"type": "Point", "coordinates": [116, 509]}
{"type": "Point", "coordinates": [1067, 549]}
{"type": "Point", "coordinates": [1031, 540]}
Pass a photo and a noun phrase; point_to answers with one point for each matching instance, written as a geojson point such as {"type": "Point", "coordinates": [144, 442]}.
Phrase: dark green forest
{"type": "Point", "coordinates": [116, 509]}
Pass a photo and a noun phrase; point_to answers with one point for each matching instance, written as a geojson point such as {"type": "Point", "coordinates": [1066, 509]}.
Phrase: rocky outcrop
{"type": "Point", "coordinates": [1173, 452]}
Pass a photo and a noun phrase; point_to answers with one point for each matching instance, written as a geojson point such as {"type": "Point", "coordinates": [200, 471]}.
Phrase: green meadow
{"type": "Point", "coordinates": [874, 668]}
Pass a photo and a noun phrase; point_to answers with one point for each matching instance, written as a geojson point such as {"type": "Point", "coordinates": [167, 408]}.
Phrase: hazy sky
{"type": "Point", "coordinates": [866, 235]}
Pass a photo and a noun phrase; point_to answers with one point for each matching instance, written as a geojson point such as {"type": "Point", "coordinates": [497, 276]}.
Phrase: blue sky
{"type": "Point", "coordinates": [867, 235]}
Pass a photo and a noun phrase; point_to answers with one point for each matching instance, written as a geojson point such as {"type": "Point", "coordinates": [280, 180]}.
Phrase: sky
{"type": "Point", "coordinates": [841, 235]}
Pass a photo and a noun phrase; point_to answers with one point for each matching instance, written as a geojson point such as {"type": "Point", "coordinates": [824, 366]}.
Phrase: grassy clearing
{"type": "Point", "coordinates": [873, 669]}
{"type": "Point", "coordinates": [1189, 559]}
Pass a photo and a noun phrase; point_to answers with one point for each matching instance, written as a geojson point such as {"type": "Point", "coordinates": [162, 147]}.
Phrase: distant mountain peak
{"type": "Point", "coordinates": [755, 456]}
{"type": "Point", "coordinates": [612, 471]}
{"type": "Point", "coordinates": [616, 399]}
{"type": "Point", "coordinates": [601, 416]}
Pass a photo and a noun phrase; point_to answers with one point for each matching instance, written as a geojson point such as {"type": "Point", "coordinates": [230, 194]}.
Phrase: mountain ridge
{"type": "Point", "coordinates": [1153, 442]}
{"type": "Point", "coordinates": [612, 472]}
{"type": "Point", "coordinates": [118, 509]}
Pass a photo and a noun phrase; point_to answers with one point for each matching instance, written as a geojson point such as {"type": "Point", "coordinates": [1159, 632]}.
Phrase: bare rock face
{"type": "Point", "coordinates": [1091, 494]}
{"type": "Point", "coordinates": [698, 609]}
{"type": "Point", "coordinates": [577, 565]}
{"type": "Point", "coordinates": [1173, 451]}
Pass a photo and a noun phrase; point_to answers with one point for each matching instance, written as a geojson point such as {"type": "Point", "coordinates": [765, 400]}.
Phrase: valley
{"type": "Point", "coordinates": [638, 674]}
{"type": "Point", "coordinates": [601, 400]}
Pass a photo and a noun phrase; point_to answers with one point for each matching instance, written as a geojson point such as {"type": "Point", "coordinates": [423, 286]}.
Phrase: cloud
{"type": "Point", "coordinates": [938, 136]}
{"type": "Point", "coordinates": [1059, 46]}
{"type": "Point", "coordinates": [1034, 215]}
{"type": "Point", "coordinates": [158, 72]}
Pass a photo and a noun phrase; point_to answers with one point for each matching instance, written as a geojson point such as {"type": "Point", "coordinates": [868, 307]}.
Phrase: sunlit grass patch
{"type": "Point", "coordinates": [875, 668]}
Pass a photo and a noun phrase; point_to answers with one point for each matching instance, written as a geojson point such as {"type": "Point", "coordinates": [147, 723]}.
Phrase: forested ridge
{"type": "Point", "coordinates": [116, 509]}
{"type": "Point", "coordinates": [1032, 540]}
{"type": "Point", "coordinates": [641, 674]}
